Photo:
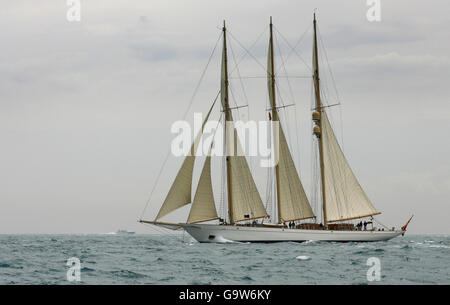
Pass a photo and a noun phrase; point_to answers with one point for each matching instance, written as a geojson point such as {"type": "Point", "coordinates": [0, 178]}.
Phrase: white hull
{"type": "Point", "coordinates": [207, 233]}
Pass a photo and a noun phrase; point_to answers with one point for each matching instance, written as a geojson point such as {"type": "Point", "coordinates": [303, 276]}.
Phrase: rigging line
{"type": "Point", "coordinates": [278, 76]}
{"type": "Point", "coordinates": [293, 50]}
{"type": "Point", "coordinates": [235, 101]}
{"type": "Point", "coordinates": [300, 40]}
{"type": "Point", "coordinates": [239, 74]}
{"type": "Point", "coordinates": [285, 112]}
{"type": "Point", "coordinates": [293, 100]}
{"type": "Point", "coordinates": [184, 117]}
{"type": "Point", "coordinates": [246, 50]}
{"type": "Point", "coordinates": [253, 44]}
{"type": "Point", "coordinates": [161, 170]}
{"type": "Point", "coordinates": [293, 208]}
{"type": "Point", "coordinates": [329, 66]}
{"type": "Point", "coordinates": [334, 86]}
{"type": "Point", "coordinates": [245, 77]}
{"type": "Point", "coordinates": [245, 96]}
{"type": "Point", "coordinates": [162, 231]}
{"type": "Point", "coordinates": [202, 76]}
{"type": "Point", "coordinates": [378, 222]}
{"type": "Point", "coordinates": [293, 76]}
{"type": "Point", "coordinates": [213, 143]}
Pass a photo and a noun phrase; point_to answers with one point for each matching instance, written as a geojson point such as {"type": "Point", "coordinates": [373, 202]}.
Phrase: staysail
{"type": "Point", "coordinates": [244, 201]}
{"type": "Point", "coordinates": [247, 203]}
{"type": "Point", "coordinates": [344, 195]}
{"type": "Point", "coordinates": [293, 203]}
{"type": "Point", "coordinates": [180, 192]}
{"type": "Point", "coordinates": [203, 207]}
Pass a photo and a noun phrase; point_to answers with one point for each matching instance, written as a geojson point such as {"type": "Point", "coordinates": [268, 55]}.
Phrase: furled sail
{"type": "Point", "coordinates": [344, 195]}
{"type": "Point", "coordinates": [203, 207]}
{"type": "Point", "coordinates": [180, 192]}
{"type": "Point", "coordinates": [293, 202]}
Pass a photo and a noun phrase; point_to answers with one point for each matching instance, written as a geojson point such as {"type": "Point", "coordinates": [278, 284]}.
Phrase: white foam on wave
{"type": "Point", "coordinates": [222, 240]}
{"type": "Point", "coordinates": [439, 246]}
{"type": "Point", "coordinates": [303, 258]}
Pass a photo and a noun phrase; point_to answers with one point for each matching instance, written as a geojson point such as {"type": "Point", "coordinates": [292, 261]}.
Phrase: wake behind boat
{"type": "Point", "coordinates": [347, 212]}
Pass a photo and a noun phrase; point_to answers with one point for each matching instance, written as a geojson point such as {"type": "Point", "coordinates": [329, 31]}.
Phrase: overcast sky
{"type": "Point", "coordinates": [86, 107]}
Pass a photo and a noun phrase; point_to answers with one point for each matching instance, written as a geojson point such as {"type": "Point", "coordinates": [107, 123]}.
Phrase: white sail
{"type": "Point", "coordinates": [293, 202]}
{"type": "Point", "coordinates": [344, 195]}
{"type": "Point", "coordinates": [180, 192]}
{"type": "Point", "coordinates": [244, 199]}
{"type": "Point", "coordinates": [247, 203]}
{"type": "Point", "coordinates": [203, 207]}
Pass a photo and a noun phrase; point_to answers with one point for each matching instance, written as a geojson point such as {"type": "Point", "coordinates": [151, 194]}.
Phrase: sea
{"type": "Point", "coordinates": [101, 259]}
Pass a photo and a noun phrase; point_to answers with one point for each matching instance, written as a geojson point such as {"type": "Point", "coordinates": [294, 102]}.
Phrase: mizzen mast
{"type": "Point", "coordinates": [274, 112]}
{"type": "Point", "coordinates": [317, 114]}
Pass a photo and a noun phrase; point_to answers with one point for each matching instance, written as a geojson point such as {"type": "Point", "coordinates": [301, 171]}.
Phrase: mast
{"type": "Point", "coordinates": [274, 112]}
{"type": "Point", "coordinates": [228, 118]}
{"type": "Point", "coordinates": [319, 110]}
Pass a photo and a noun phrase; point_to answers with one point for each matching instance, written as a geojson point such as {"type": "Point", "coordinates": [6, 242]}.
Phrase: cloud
{"type": "Point", "coordinates": [154, 52]}
{"type": "Point", "coordinates": [395, 64]}
{"type": "Point", "coordinates": [86, 107]}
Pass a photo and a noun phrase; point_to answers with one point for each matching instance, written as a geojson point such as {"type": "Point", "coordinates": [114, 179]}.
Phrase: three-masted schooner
{"type": "Point", "coordinates": [343, 199]}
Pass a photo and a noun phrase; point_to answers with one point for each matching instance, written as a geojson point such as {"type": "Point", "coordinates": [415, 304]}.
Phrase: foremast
{"type": "Point", "coordinates": [228, 118]}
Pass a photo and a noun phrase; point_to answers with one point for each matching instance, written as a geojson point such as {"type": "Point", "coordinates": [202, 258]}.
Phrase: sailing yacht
{"type": "Point", "coordinates": [343, 199]}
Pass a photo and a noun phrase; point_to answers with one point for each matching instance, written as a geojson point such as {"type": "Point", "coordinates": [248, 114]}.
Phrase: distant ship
{"type": "Point", "coordinates": [124, 232]}
{"type": "Point", "coordinates": [347, 212]}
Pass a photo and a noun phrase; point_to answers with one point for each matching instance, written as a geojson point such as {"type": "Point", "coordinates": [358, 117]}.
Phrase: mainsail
{"type": "Point", "coordinates": [180, 192]}
{"type": "Point", "coordinates": [344, 195]}
{"type": "Point", "coordinates": [244, 201]}
{"type": "Point", "coordinates": [293, 203]}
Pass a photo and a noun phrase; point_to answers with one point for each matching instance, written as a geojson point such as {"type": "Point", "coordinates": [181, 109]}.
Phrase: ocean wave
{"type": "Point", "coordinates": [127, 274]}
{"type": "Point", "coordinates": [148, 259]}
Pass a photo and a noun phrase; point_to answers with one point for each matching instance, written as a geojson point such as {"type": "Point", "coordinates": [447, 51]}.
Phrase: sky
{"type": "Point", "coordinates": [86, 107]}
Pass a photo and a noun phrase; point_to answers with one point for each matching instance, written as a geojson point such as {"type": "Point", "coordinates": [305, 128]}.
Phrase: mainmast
{"type": "Point", "coordinates": [228, 118]}
{"type": "Point", "coordinates": [274, 112]}
{"type": "Point", "coordinates": [317, 117]}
